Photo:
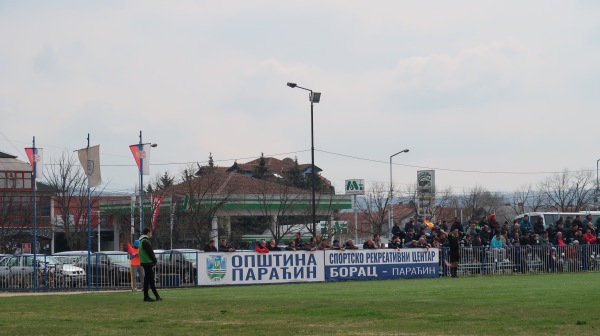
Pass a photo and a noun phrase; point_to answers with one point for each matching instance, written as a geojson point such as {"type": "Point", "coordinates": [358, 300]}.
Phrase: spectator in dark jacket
{"type": "Point", "coordinates": [396, 243]}
{"type": "Point", "coordinates": [369, 245]}
{"type": "Point", "coordinates": [577, 221]}
{"type": "Point", "coordinates": [409, 225]}
{"type": "Point", "coordinates": [538, 227]}
{"type": "Point", "coordinates": [224, 247]}
{"type": "Point", "coordinates": [526, 225]}
{"type": "Point", "coordinates": [350, 245]}
{"type": "Point", "coordinates": [396, 231]}
{"type": "Point", "coordinates": [210, 247]}
{"type": "Point", "coordinates": [272, 246]}
{"type": "Point", "coordinates": [485, 235]}
{"type": "Point", "coordinates": [457, 225]}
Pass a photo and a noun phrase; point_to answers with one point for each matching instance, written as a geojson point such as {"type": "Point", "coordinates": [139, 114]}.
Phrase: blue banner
{"type": "Point", "coordinates": [381, 264]}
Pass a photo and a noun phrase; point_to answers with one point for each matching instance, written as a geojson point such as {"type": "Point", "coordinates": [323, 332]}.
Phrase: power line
{"type": "Point", "coordinates": [321, 151]}
{"type": "Point", "coordinates": [443, 169]}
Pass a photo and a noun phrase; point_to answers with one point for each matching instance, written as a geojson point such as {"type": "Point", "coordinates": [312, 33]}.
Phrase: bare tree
{"type": "Point", "coordinates": [375, 210]}
{"type": "Point", "coordinates": [583, 189]}
{"type": "Point", "coordinates": [568, 191]}
{"type": "Point", "coordinates": [277, 203]}
{"type": "Point", "coordinates": [443, 205]}
{"type": "Point", "coordinates": [478, 202]}
{"type": "Point", "coordinates": [66, 176]}
{"type": "Point", "coordinates": [205, 193]}
{"type": "Point", "coordinates": [412, 195]}
{"type": "Point", "coordinates": [525, 199]}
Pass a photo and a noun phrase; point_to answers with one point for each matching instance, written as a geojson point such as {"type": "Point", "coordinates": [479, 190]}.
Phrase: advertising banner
{"type": "Point", "coordinates": [382, 264]}
{"type": "Point", "coordinates": [355, 187]}
{"type": "Point", "coordinates": [246, 268]}
{"type": "Point", "coordinates": [426, 182]}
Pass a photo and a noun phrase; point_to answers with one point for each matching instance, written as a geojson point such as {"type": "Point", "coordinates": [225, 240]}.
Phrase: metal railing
{"type": "Point", "coordinates": [179, 269]}
{"type": "Point", "coordinates": [524, 259]}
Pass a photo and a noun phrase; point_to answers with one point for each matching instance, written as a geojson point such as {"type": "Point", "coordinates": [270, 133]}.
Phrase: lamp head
{"type": "Point", "coordinates": [292, 85]}
{"type": "Point", "coordinates": [315, 97]}
{"type": "Point", "coordinates": [405, 151]}
{"type": "Point", "coordinates": [153, 145]}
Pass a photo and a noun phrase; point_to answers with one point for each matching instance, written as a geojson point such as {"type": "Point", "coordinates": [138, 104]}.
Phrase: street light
{"type": "Point", "coordinates": [142, 159]}
{"type": "Point", "coordinates": [391, 213]}
{"type": "Point", "coordinates": [314, 97]}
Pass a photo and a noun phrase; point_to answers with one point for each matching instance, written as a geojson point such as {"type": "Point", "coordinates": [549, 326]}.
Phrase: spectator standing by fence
{"type": "Point", "coordinates": [273, 246]}
{"type": "Point", "coordinates": [224, 247]}
{"type": "Point", "coordinates": [210, 247]}
{"type": "Point", "coordinates": [262, 247]}
{"type": "Point", "coordinates": [137, 271]}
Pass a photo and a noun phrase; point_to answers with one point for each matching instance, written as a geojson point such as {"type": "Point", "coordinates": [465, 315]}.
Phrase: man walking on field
{"type": "Point", "coordinates": [148, 261]}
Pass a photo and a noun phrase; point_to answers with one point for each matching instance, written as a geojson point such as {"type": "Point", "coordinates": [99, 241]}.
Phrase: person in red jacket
{"type": "Point", "coordinates": [262, 247]}
{"type": "Point", "coordinates": [589, 237]}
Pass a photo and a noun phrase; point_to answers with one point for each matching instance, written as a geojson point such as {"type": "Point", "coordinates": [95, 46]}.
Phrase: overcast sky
{"type": "Point", "coordinates": [489, 93]}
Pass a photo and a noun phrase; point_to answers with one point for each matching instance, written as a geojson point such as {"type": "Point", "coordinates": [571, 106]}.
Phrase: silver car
{"type": "Point", "coordinates": [17, 271]}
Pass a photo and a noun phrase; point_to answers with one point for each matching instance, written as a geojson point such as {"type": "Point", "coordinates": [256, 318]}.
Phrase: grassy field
{"type": "Point", "coordinates": [558, 304]}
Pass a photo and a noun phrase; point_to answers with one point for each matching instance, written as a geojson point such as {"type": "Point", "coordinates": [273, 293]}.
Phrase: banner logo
{"type": "Point", "coordinates": [90, 167]}
{"type": "Point", "coordinates": [216, 268]}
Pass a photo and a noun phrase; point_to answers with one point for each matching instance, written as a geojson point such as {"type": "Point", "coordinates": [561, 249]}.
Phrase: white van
{"type": "Point", "coordinates": [550, 218]}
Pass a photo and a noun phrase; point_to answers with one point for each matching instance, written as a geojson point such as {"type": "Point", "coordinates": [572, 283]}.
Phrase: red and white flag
{"type": "Point", "coordinates": [35, 156]}
{"type": "Point", "coordinates": [141, 154]}
{"type": "Point", "coordinates": [156, 202]}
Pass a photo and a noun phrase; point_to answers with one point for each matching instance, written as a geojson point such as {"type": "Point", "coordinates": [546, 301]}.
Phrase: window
{"type": "Point", "coordinates": [15, 180]}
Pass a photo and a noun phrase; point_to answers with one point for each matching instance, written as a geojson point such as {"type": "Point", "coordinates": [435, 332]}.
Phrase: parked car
{"type": "Point", "coordinates": [18, 270]}
{"type": "Point", "coordinates": [69, 257]}
{"type": "Point", "coordinates": [178, 261]}
{"type": "Point", "coordinates": [110, 268]}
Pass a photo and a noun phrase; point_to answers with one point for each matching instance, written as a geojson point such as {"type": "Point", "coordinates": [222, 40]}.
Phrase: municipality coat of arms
{"type": "Point", "coordinates": [216, 267]}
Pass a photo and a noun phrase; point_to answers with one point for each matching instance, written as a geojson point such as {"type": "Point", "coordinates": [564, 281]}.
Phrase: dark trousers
{"type": "Point", "coordinates": [149, 280]}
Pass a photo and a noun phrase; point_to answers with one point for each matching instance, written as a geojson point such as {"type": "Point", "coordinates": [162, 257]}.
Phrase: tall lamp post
{"type": "Point", "coordinates": [391, 212]}
{"type": "Point", "coordinates": [314, 97]}
{"type": "Point", "coordinates": [141, 154]}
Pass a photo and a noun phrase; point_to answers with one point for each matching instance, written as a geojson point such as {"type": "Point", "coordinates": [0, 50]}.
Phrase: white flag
{"type": "Point", "coordinates": [90, 161]}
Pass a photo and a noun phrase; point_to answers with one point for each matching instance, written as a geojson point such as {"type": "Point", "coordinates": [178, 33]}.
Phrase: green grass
{"type": "Point", "coordinates": [558, 304]}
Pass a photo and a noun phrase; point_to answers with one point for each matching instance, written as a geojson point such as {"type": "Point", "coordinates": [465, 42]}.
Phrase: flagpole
{"type": "Point", "coordinates": [34, 247]}
{"type": "Point", "coordinates": [140, 148]}
{"type": "Point", "coordinates": [89, 222]}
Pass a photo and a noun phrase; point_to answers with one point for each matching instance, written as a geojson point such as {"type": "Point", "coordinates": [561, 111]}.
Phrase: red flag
{"type": "Point", "coordinates": [156, 202]}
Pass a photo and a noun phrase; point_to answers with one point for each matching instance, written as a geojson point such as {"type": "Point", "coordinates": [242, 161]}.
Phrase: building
{"type": "Point", "coordinates": [236, 202]}
{"type": "Point", "coordinates": [17, 215]}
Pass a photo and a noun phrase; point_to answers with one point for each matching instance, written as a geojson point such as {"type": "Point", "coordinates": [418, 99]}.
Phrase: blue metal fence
{"type": "Point", "coordinates": [179, 268]}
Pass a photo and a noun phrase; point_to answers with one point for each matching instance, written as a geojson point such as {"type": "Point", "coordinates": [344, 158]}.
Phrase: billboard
{"type": "Point", "coordinates": [355, 187]}
{"type": "Point", "coordinates": [247, 268]}
{"type": "Point", "coordinates": [382, 264]}
{"type": "Point", "coordinates": [426, 182]}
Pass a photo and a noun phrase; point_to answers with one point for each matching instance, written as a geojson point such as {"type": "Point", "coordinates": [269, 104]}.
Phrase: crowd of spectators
{"type": "Point", "coordinates": [483, 232]}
